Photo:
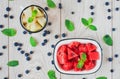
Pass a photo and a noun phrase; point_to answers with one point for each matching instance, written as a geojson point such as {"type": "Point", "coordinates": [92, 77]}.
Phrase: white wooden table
{"type": "Point", "coordinates": [57, 17]}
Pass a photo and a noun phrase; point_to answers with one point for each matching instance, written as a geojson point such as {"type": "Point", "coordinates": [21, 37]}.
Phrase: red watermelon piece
{"type": "Point", "coordinates": [93, 56]}
{"type": "Point", "coordinates": [62, 57]}
{"type": "Point", "coordinates": [91, 47]}
{"type": "Point", "coordinates": [71, 54]}
{"type": "Point", "coordinates": [89, 65]}
{"type": "Point", "coordinates": [68, 66]}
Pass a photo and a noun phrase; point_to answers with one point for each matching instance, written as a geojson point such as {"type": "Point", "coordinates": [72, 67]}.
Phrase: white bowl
{"type": "Point", "coordinates": [82, 40]}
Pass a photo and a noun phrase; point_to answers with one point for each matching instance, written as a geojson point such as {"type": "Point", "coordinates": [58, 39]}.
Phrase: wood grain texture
{"type": "Point", "coordinates": [57, 17]}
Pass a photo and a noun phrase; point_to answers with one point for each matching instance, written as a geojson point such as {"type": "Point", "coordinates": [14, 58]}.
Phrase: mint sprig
{"type": "Point", "coordinates": [51, 4]}
{"type": "Point", "coordinates": [88, 24]}
{"type": "Point", "coordinates": [108, 40]}
{"type": "Point", "coordinates": [13, 63]}
{"type": "Point", "coordinates": [33, 41]}
{"type": "Point", "coordinates": [34, 14]}
{"type": "Point", "coordinates": [82, 60]}
{"type": "Point", "coordinates": [102, 77]}
{"type": "Point", "coordinates": [51, 74]}
{"type": "Point", "coordinates": [69, 25]}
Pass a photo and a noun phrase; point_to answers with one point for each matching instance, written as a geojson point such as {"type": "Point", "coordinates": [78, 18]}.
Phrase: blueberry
{"type": "Point", "coordinates": [42, 44]}
{"type": "Point", "coordinates": [52, 46]}
{"type": "Point", "coordinates": [48, 32]}
{"type": "Point", "coordinates": [27, 71]}
{"type": "Point", "coordinates": [24, 32]}
{"type": "Point", "coordinates": [91, 7]}
{"type": "Point", "coordinates": [27, 54]}
{"type": "Point", "coordinates": [0, 68]}
{"type": "Point", "coordinates": [46, 8]}
{"type": "Point", "coordinates": [45, 31]}
{"type": "Point", "coordinates": [60, 6]}
{"type": "Point", "coordinates": [4, 47]}
{"type": "Point", "coordinates": [38, 68]}
{"type": "Point", "coordinates": [49, 54]}
{"type": "Point", "coordinates": [72, 12]}
{"type": "Point", "coordinates": [113, 29]}
{"type": "Point", "coordinates": [1, 53]}
{"type": "Point", "coordinates": [116, 55]}
{"type": "Point", "coordinates": [78, 1]}
{"type": "Point", "coordinates": [5, 15]}
{"type": "Point", "coordinates": [31, 52]}
{"type": "Point", "coordinates": [28, 58]}
{"type": "Point", "coordinates": [63, 35]}
{"type": "Point", "coordinates": [5, 77]}
{"type": "Point", "coordinates": [11, 16]}
{"type": "Point", "coordinates": [83, 78]}
{"type": "Point", "coordinates": [92, 13]}
{"type": "Point", "coordinates": [111, 70]}
{"type": "Point", "coordinates": [56, 36]}
{"type": "Point", "coordinates": [110, 59]}
{"type": "Point", "coordinates": [19, 49]}
{"type": "Point", "coordinates": [109, 10]}
{"type": "Point", "coordinates": [16, 44]}
{"type": "Point", "coordinates": [22, 52]}
{"type": "Point", "coordinates": [49, 23]}
{"type": "Point", "coordinates": [8, 9]}
{"type": "Point", "coordinates": [45, 40]}
{"type": "Point", "coordinates": [1, 26]}
{"type": "Point", "coordinates": [44, 34]}
{"type": "Point", "coordinates": [117, 8]}
{"type": "Point", "coordinates": [52, 62]}
{"type": "Point", "coordinates": [20, 44]}
{"type": "Point", "coordinates": [106, 3]}
{"type": "Point", "coordinates": [109, 17]}
{"type": "Point", "coordinates": [20, 75]}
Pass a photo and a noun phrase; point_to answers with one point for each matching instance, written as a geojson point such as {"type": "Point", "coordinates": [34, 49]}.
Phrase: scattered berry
{"type": "Point", "coordinates": [1, 26]}
{"type": "Point", "coordinates": [78, 1]}
{"type": "Point", "coordinates": [109, 10]}
{"type": "Point", "coordinates": [5, 15]}
{"type": "Point", "coordinates": [48, 32]}
{"type": "Point", "coordinates": [38, 68]}
{"type": "Point", "coordinates": [91, 7]}
{"type": "Point", "coordinates": [16, 44]}
{"type": "Point", "coordinates": [11, 16]}
{"type": "Point", "coordinates": [116, 55]}
{"type": "Point", "coordinates": [52, 62]}
{"type": "Point", "coordinates": [20, 75]}
{"type": "Point", "coordinates": [109, 17]}
{"type": "Point", "coordinates": [22, 52]}
{"type": "Point", "coordinates": [42, 44]}
{"type": "Point", "coordinates": [4, 47]}
{"type": "Point", "coordinates": [111, 70]}
{"type": "Point", "coordinates": [5, 77]}
{"type": "Point", "coordinates": [92, 13]}
{"type": "Point", "coordinates": [8, 9]}
{"type": "Point", "coordinates": [110, 59]}
{"type": "Point", "coordinates": [52, 46]}
{"type": "Point", "coordinates": [117, 8]}
{"type": "Point", "coordinates": [20, 44]}
{"type": "Point", "coordinates": [19, 49]}
{"type": "Point", "coordinates": [72, 12]}
{"type": "Point", "coordinates": [27, 71]}
{"type": "Point", "coordinates": [63, 35]}
{"type": "Point", "coordinates": [44, 34]}
{"type": "Point", "coordinates": [49, 54]}
{"type": "Point", "coordinates": [27, 54]}
{"type": "Point", "coordinates": [60, 6]}
{"type": "Point", "coordinates": [1, 53]}
{"type": "Point", "coordinates": [84, 78]}
{"type": "Point", "coordinates": [46, 8]}
{"type": "Point", "coordinates": [0, 68]}
{"type": "Point", "coordinates": [45, 40]}
{"type": "Point", "coordinates": [49, 23]}
{"type": "Point", "coordinates": [113, 29]}
{"type": "Point", "coordinates": [106, 3]}
{"type": "Point", "coordinates": [31, 52]}
{"type": "Point", "coordinates": [28, 58]}
{"type": "Point", "coordinates": [56, 36]}
{"type": "Point", "coordinates": [24, 32]}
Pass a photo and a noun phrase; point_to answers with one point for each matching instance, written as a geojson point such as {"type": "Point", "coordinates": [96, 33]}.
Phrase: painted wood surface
{"type": "Point", "coordinates": [57, 18]}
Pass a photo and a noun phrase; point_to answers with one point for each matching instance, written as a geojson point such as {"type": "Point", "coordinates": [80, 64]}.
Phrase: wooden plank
{"type": "Point", "coordinates": [3, 41]}
{"type": "Point", "coordinates": [40, 57]}
{"type": "Point", "coordinates": [116, 38]}
{"type": "Point", "coordinates": [100, 20]}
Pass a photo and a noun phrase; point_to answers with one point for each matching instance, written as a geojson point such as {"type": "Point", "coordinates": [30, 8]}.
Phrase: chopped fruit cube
{"type": "Point", "coordinates": [91, 47]}
{"type": "Point", "coordinates": [71, 54]}
{"type": "Point", "coordinates": [83, 48]}
{"type": "Point", "coordinates": [68, 66]}
{"type": "Point", "coordinates": [93, 56]}
{"type": "Point", "coordinates": [89, 65]}
{"type": "Point", "coordinates": [74, 44]}
{"type": "Point", "coordinates": [62, 57]}
{"type": "Point", "coordinates": [63, 48]}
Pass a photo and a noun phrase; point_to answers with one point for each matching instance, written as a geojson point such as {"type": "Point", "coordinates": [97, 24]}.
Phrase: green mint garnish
{"type": "Point", "coordinates": [88, 24]}
{"type": "Point", "coordinates": [51, 4]}
{"type": "Point", "coordinates": [33, 42]}
{"type": "Point", "coordinates": [9, 32]}
{"type": "Point", "coordinates": [30, 19]}
{"type": "Point", "coordinates": [13, 63]}
{"type": "Point", "coordinates": [51, 74]}
{"type": "Point", "coordinates": [108, 40]}
{"type": "Point", "coordinates": [69, 25]}
{"type": "Point", "coordinates": [34, 13]}
{"type": "Point", "coordinates": [102, 77]}
{"type": "Point", "coordinates": [82, 60]}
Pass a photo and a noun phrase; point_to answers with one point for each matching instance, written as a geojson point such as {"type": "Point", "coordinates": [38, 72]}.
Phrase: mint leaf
{"type": "Point", "coordinates": [69, 25]}
{"type": "Point", "coordinates": [33, 42]}
{"type": "Point", "coordinates": [80, 64]}
{"type": "Point", "coordinates": [108, 40]}
{"type": "Point", "coordinates": [13, 63]}
{"type": "Point", "coordinates": [90, 20]}
{"type": "Point", "coordinates": [30, 19]}
{"type": "Point", "coordinates": [51, 4]}
{"type": "Point", "coordinates": [102, 77]}
{"type": "Point", "coordinates": [84, 57]}
{"type": "Point", "coordinates": [51, 74]}
{"type": "Point", "coordinates": [92, 27]}
{"type": "Point", "coordinates": [34, 13]}
{"type": "Point", "coordinates": [84, 22]}
{"type": "Point", "coordinates": [9, 32]}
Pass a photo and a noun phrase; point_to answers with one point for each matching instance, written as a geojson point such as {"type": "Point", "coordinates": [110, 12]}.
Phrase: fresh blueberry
{"type": "Point", "coordinates": [109, 10]}
{"type": "Point", "coordinates": [56, 36]}
{"type": "Point", "coordinates": [28, 58]}
{"type": "Point", "coordinates": [31, 52]}
{"type": "Point", "coordinates": [20, 44]}
{"type": "Point", "coordinates": [110, 59]}
{"type": "Point", "coordinates": [52, 46]}
{"type": "Point", "coordinates": [22, 52]}
{"type": "Point", "coordinates": [5, 77]}
{"type": "Point", "coordinates": [49, 54]}
{"type": "Point", "coordinates": [79, 1]}
{"type": "Point", "coordinates": [44, 34]}
{"type": "Point", "coordinates": [1, 26]}
{"type": "Point", "coordinates": [109, 17]}
{"type": "Point", "coordinates": [113, 29]}
{"type": "Point", "coordinates": [63, 35]}
{"type": "Point", "coordinates": [42, 44]}
{"type": "Point", "coordinates": [45, 40]}
{"type": "Point", "coordinates": [11, 16]}
{"type": "Point", "coordinates": [5, 15]}
{"type": "Point", "coordinates": [60, 6]}
{"type": "Point", "coordinates": [16, 44]}
{"type": "Point", "coordinates": [111, 70]}
{"type": "Point", "coordinates": [24, 32]}
{"type": "Point", "coordinates": [27, 54]}
{"type": "Point", "coordinates": [48, 32]}
{"type": "Point", "coordinates": [116, 55]}
{"type": "Point", "coordinates": [91, 7]}
{"type": "Point", "coordinates": [92, 13]}
{"type": "Point", "coordinates": [49, 23]}
{"type": "Point", "coordinates": [38, 68]}
{"type": "Point", "coordinates": [8, 9]}
{"type": "Point", "coordinates": [19, 49]}
{"type": "Point", "coordinates": [52, 62]}
{"type": "Point", "coordinates": [4, 47]}
{"type": "Point", "coordinates": [106, 3]}
{"type": "Point", "coordinates": [72, 12]}
{"type": "Point", "coordinates": [117, 8]}
{"type": "Point", "coordinates": [46, 8]}
{"type": "Point", "coordinates": [1, 53]}
{"type": "Point", "coordinates": [83, 78]}
{"type": "Point", "coordinates": [20, 75]}
{"type": "Point", "coordinates": [0, 68]}
{"type": "Point", "coordinates": [27, 71]}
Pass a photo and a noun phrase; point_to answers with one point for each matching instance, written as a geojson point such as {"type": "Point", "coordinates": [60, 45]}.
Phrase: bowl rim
{"type": "Point", "coordinates": [44, 13]}
{"type": "Point", "coordinates": [78, 73]}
